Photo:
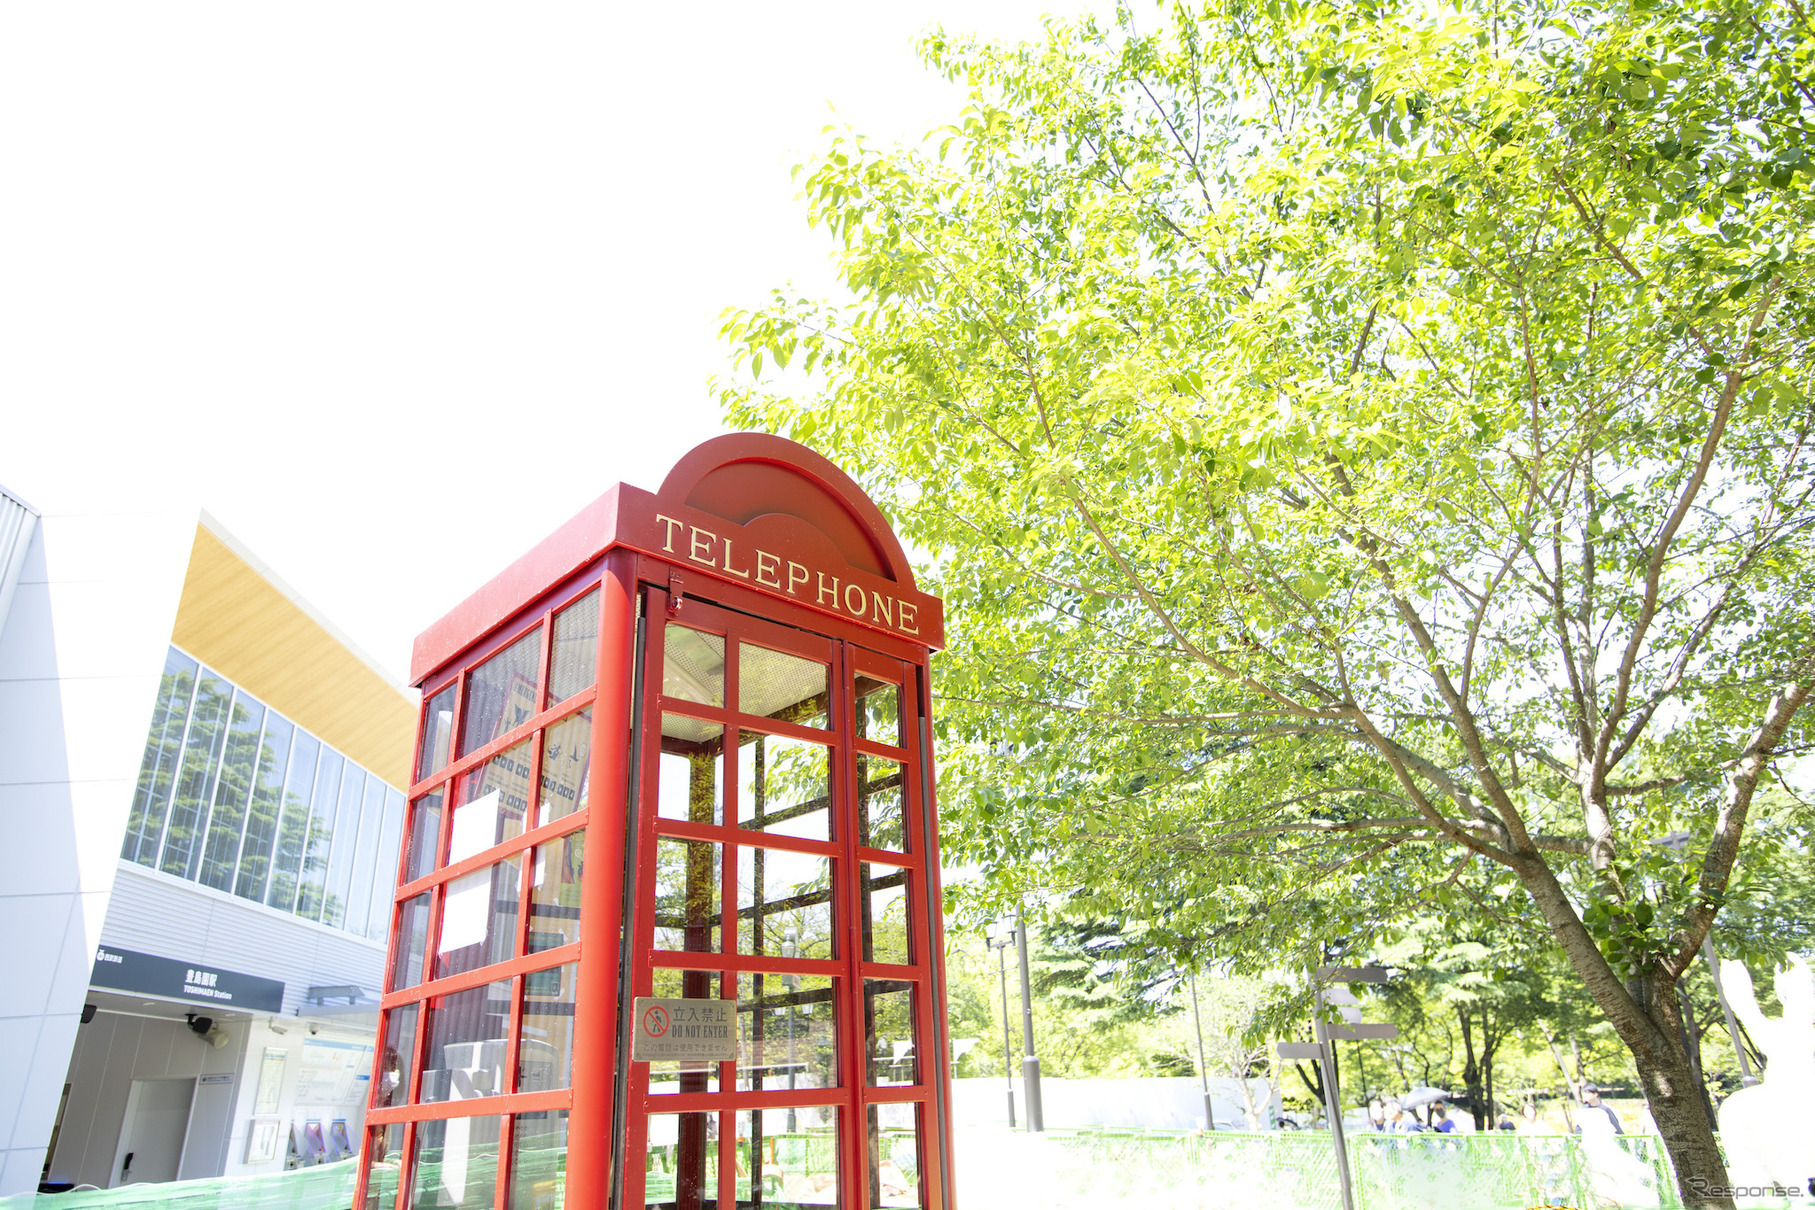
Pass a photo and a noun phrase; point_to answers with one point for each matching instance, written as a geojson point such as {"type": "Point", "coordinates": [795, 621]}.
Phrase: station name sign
{"type": "Point", "coordinates": [688, 1031]}
{"type": "Point", "coordinates": [148, 974]}
{"type": "Point", "coordinates": [768, 557]}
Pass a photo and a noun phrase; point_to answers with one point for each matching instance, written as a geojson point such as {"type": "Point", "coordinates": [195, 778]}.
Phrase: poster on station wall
{"type": "Point", "coordinates": [334, 1073]}
{"type": "Point", "coordinates": [270, 1082]}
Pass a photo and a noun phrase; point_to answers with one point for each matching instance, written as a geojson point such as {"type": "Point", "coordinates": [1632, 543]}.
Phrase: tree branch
{"type": "Point", "coordinates": [1660, 546]}
{"type": "Point", "coordinates": [1730, 825]}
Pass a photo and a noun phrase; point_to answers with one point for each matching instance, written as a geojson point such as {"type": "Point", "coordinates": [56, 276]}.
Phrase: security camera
{"type": "Point", "coordinates": [312, 1031]}
{"type": "Point", "coordinates": [199, 1026]}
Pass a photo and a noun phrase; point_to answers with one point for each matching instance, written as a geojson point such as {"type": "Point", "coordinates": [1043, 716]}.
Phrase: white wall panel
{"type": "Point", "coordinates": [70, 981]}
{"type": "Point", "coordinates": [32, 943]}
{"type": "Point", "coordinates": [19, 1168]}
{"type": "Point", "coordinates": [40, 849]}
{"type": "Point", "coordinates": [18, 1040]}
{"type": "Point", "coordinates": [36, 734]}
{"type": "Point", "coordinates": [91, 1125]}
{"type": "Point", "coordinates": [22, 650]}
{"type": "Point", "coordinates": [44, 1081]}
{"type": "Point", "coordinates": [81, 653]}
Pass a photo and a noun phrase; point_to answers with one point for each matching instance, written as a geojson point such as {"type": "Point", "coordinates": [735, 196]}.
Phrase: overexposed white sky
{"type": "Point", "coordinates": [392, 290]}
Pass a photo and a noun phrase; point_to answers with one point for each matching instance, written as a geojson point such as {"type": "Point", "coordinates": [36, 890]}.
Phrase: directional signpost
{"type": "Point", "coordinates": [1324, 1052]}
{"type": "Point", "coordinates": [1363, 1033]}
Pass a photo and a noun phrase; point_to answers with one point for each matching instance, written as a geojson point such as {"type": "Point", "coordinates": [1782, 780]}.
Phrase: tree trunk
{"type": "Point", "coordinates": [1471, 1071]}
{"type": "Point", "coordinates": [1568, 1085]}
{"type": "Point", "coordinates": [1490, 1042]}
{"type": "Point", "coordinates": [1674, 1096]}
{"type": "Point", "coordinates": [1651, 1032]}
{"type": "Point", "coordinates": [1692, 1047]}
{"type": "Point", "coordinates": [1493, 1106]}
{"type": "Point", "coordinates": [1249, 1109]}
{"type": "Point", "coordinates": [1314, 1081]}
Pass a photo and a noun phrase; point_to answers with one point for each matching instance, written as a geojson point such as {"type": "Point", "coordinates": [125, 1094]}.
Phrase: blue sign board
{"type": "Point", "coordinates": [206, 986]}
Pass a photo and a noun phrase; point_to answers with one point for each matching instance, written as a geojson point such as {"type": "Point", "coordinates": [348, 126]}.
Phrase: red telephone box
{"type": "Point", "coordinates": [667, 924]}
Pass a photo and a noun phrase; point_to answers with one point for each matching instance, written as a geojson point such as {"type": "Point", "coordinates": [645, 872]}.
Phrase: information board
{"type": "Point", "coordinates": [333, 1073]}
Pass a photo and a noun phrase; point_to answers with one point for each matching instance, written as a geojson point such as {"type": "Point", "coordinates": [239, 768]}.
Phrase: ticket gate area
{"type": "Point", "coordinates": [667, 927]}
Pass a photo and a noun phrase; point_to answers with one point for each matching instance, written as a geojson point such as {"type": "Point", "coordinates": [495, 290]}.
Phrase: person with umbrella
{"type": "Point", "coordinates": [1425, 1095]}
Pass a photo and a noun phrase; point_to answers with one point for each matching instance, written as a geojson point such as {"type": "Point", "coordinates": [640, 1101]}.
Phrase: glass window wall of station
{"type": "Point", "coordinates": [240, 799]}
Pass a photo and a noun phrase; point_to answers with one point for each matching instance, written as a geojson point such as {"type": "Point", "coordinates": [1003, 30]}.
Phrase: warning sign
{"type": "Point", "coordinates": [696, 1031]}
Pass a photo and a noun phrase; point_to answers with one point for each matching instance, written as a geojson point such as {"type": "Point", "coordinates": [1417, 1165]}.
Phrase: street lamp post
{"type": "Point", "coordinates": [1030, 1062]}
{"type": "Point", "coordinates": [1203, 1072]}
{"type": "Point", "coordinates": [790, 947]}
{"type": "Point", "coordinates": [1678, 843]}
{"type": "Point", "coordinates": [998, 941]}
{"type": "Point", "coordinates": [1720, 992]}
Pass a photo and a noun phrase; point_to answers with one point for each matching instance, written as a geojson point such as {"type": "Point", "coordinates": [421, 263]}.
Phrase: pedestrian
{"type": "Point", "coordinates": [1591, 1099]}
{"type": "Point", "coordinates": [1529, 1122]}
{"type": "Point", "coordinates": [1440, 1119]}
{"type": "Point", "coordinates": [1398, 1121]}
{"type": "Point", "coordinates": [1377, 1116]}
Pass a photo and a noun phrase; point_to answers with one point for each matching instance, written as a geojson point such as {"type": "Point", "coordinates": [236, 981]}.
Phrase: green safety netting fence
{"type": "Point", "coordinates": [1094, 1167]}
{"type": "Point", "coordinates": [322, 1187]}
{"type": "Point", "coordinates": [1390, 1172]}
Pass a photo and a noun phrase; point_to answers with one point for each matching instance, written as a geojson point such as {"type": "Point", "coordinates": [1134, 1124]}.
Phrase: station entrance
{"type": "Point", "coordinates": [667, 927]}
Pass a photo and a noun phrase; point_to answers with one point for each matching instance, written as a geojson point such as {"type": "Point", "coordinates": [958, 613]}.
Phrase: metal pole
{"type": "Point", "coordinates": [790, 948]}
{"type": "Point", "coordinates": [1008, 1052]}
{"type": "Point", "coordinates": [792, 1127]}
{"type": "Point", "coordinates": [1739, 1051]}
{"type": "Point", "coordinates": [1332, 1097]}
{"type": "Point", "coordinates": [1203, 1072]}
{"type": "Point", "coordinates": [1678, 843]}
{"type": "Point", "coordinates": [1030, 1062]}
{"type": "Point", "coordinates": [1692, 1050]}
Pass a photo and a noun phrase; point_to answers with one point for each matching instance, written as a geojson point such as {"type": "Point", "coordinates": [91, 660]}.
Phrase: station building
{"type": "Point", "coordinates": [201, 806]}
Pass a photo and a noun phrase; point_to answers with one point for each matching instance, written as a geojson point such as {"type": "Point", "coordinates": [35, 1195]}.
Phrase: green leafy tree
{"type": "Point", "coordinates": [1357, 442]}
{"type": "Point", "coordinates": [1480, 978]}
{"type": "Point", "coordinates": [1228, 1018]}
{"type": "Point", "coordinates": [1105, 1003]}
